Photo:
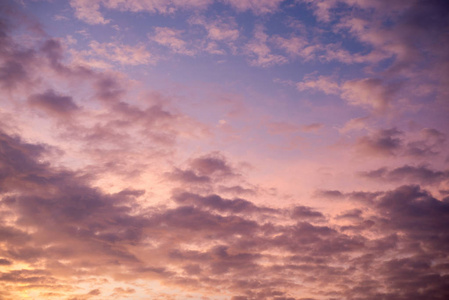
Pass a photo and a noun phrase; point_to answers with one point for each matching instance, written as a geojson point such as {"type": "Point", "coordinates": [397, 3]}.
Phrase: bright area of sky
{"type": "Point", "coordinates": [228, 149]}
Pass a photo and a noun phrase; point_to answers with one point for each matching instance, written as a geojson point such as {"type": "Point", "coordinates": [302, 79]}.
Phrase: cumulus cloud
{"type": "Point", "coordinates": [297, 46]}
{"type": "Point", "coordinates": [238, 242]}
{"type": "Point", "coordinates": [355, 124]}
{"type": "Point", "coordinates": [370, 92]}
{"type": "Point", "coordinates": [102, 53]}
{"type": "Point", "coordinates": [212, 164]}
{"type": "Point", "coordinates": [259, 51]}
{"type": "Point", "coordinates": [393, 142]}
{"type": "Point", "coordinates": [421, 174]}
{"type": "Point", "coordinates": [53, 103]}
{"type": "Point", "coordinates": [386, 142]}
{"type": "Point", "coordinates": [223, 30]}
{"type": "Point", "coordinates": [322, 83]}
{"type": "Point", "coordinates": [89, 11]}
{"type": "Point", "coordinates": [65, 233]}
{"type": "Point", "coordinates": [398, 41]}
{"type": "Point", "coordinates": [257, 6]}
{"type": "Point", "coordinates": [172, 39]}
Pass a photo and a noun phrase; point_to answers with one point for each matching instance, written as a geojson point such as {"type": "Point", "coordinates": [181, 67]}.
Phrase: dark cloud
{"type": "Point", "coordinates": [58, 223]}
{"type": "Point", "coordinates": [386, 142]}
{"type": "Point", "coordinates": [54, 52]}
{"type": "Point", "coordinates": [5, 262]}
{"type": "Point", "coordinates": [212, 164]}
{"type": "Point", "coordinates": [354, 214]}
{"type": "Point", "coordinates": [237, 190]}
{"type": "Point", "coordinates": [26, 276]}
{"type": "Point", "coordinates": [430, 143]}
{"type": "Point", "coordinates": [209, 242]}
{"type": "Point", "coordinates": [215, 202]}
{"type": "Point", "coordinates": [417, 213]}
{"type": "Point", "coordinates": [304, 212]}
{"type": "Point", "coordinates": [332, 194]}
{"type": "Point", "coordinates": [53, 103]}
{"type": "Point", "coordinates": [421, 175]}
{"type": "Point", "coordinates": [12, 73]}
{"type": "Point", "coordinates": [108, 89]}
{"type": "Point", "coordinates": [393, 142]}
{"type": "Point", "coordinates": [187, 176]}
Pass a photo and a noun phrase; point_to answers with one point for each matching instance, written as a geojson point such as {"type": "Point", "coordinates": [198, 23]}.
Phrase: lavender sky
{"type": "Point", "coordinates": [228, 149]}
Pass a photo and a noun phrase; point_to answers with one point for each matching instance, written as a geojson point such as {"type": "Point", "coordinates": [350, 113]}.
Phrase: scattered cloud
{"type": "Point", "coordinates": [53, 103]}
{"type": "Point", "coordinates": [314, 127]}
{"type": "Point", "coordinates": [102, 227]}
{"type": "Point", "coordinates": [421, 175]}
{"type": "Point", "coordinates": [171, 38]}
{"type": "Point", "coordinates": [370, 92]}
{"type": "Point", "coordinates": [322, 83]}
{"type": "Point", "coordinates": [386, 142]}
{"type": "Point", "coordinates": [259, 51]}
{"type": "Point", "coordinates": [114, 187]}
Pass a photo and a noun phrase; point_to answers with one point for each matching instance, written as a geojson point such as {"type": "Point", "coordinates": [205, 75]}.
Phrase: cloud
{"type": "Point", "coordinates": [332, 194]}
{"type": "Point", "coordinates": [53, 103]}
{"type": "Point", "coordinates": [69, 229]}
{"type": "Point", "coordinates": [322, 83]}
{"type": "Point", "coordinates": [212, 164]}
{"type": "Point", "coordinates": [89, 11]}
{"type": "Point", "coordinates": [215, 202]}
{"type": "Point", "coordinates": [393, 142]}
{"type": "Point", "coordinates": [187, 176]}
{"type": "Point", "coordinates": [113, 52]}
{"type": "Point", "coordinates": [303, 212]}
{"type": "Point", "coordinates": [370, 92]}
{"type": "Point", "coordinates": [256, 6]}
{"type": "Point", "coordinates": [428, 142]}
{"type": "Point", "coordinates": [171, 38]}
{"type": "Point", "coordinates": [314, 127]}
{"type": "Point", "coordinates": [355, 124]}
{"type": "Point", "coordinates": [237, 190]}
{"type": "Point", "coordinates": [11, 73]}
{"type": "Point", "coordinates": [421, 175]}
{"type": "Point", "coordinates": [398, 43]}
{"type": "Point", "coordinates": [282, 128]}
{"type": "Point", "coordinates": [297, 46]}
{"type": "Point", "coordinates": [385, 142]}
{"type": "Point", "coordinates": [222, 30]}
{"type": "Point", "coordinates": [210, 241]}
{"type": "Point", "coordinates": [259, 51]}
{"type": "Point", "coordinates": [219, 29]}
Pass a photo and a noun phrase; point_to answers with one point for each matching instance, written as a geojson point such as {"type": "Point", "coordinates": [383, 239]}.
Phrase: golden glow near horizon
{"type": "Point", "coordinates": [224, 150]}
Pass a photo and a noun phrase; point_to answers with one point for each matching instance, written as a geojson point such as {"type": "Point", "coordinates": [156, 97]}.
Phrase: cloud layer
{"type": "Point", "coordinates": [224, 150]}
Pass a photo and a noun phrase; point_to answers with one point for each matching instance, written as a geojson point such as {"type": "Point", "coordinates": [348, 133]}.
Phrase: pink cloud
{"type": "Point", "coordinates": [123, 54]}
{"type": "Point", "coordinates": [53, 103]}
{"type": "Point", "coordinates": [171, 38]}
{"type": "Point", "coordinates": [257, 6]}
{"type": "Point", "coordinates": [260, 53]}
{"type": "Point", "coordinates": [369, 92]}
{"type": "Point", "coordinates": [325, 84]}
{"type": "Point", "coordinates": [89, 11]}
{"type": "Point", "coordinates": [297, 47]}
{"type": "Point", "coordinates": [103, 198]}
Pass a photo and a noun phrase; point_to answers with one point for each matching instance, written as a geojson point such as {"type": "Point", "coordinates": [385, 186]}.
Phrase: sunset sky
{"type": "Point", "coordinates": [224, 149]}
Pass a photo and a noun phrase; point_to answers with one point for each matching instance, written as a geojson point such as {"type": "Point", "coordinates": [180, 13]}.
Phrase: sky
{"type": "Point", "coordinates": [224, 149]}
